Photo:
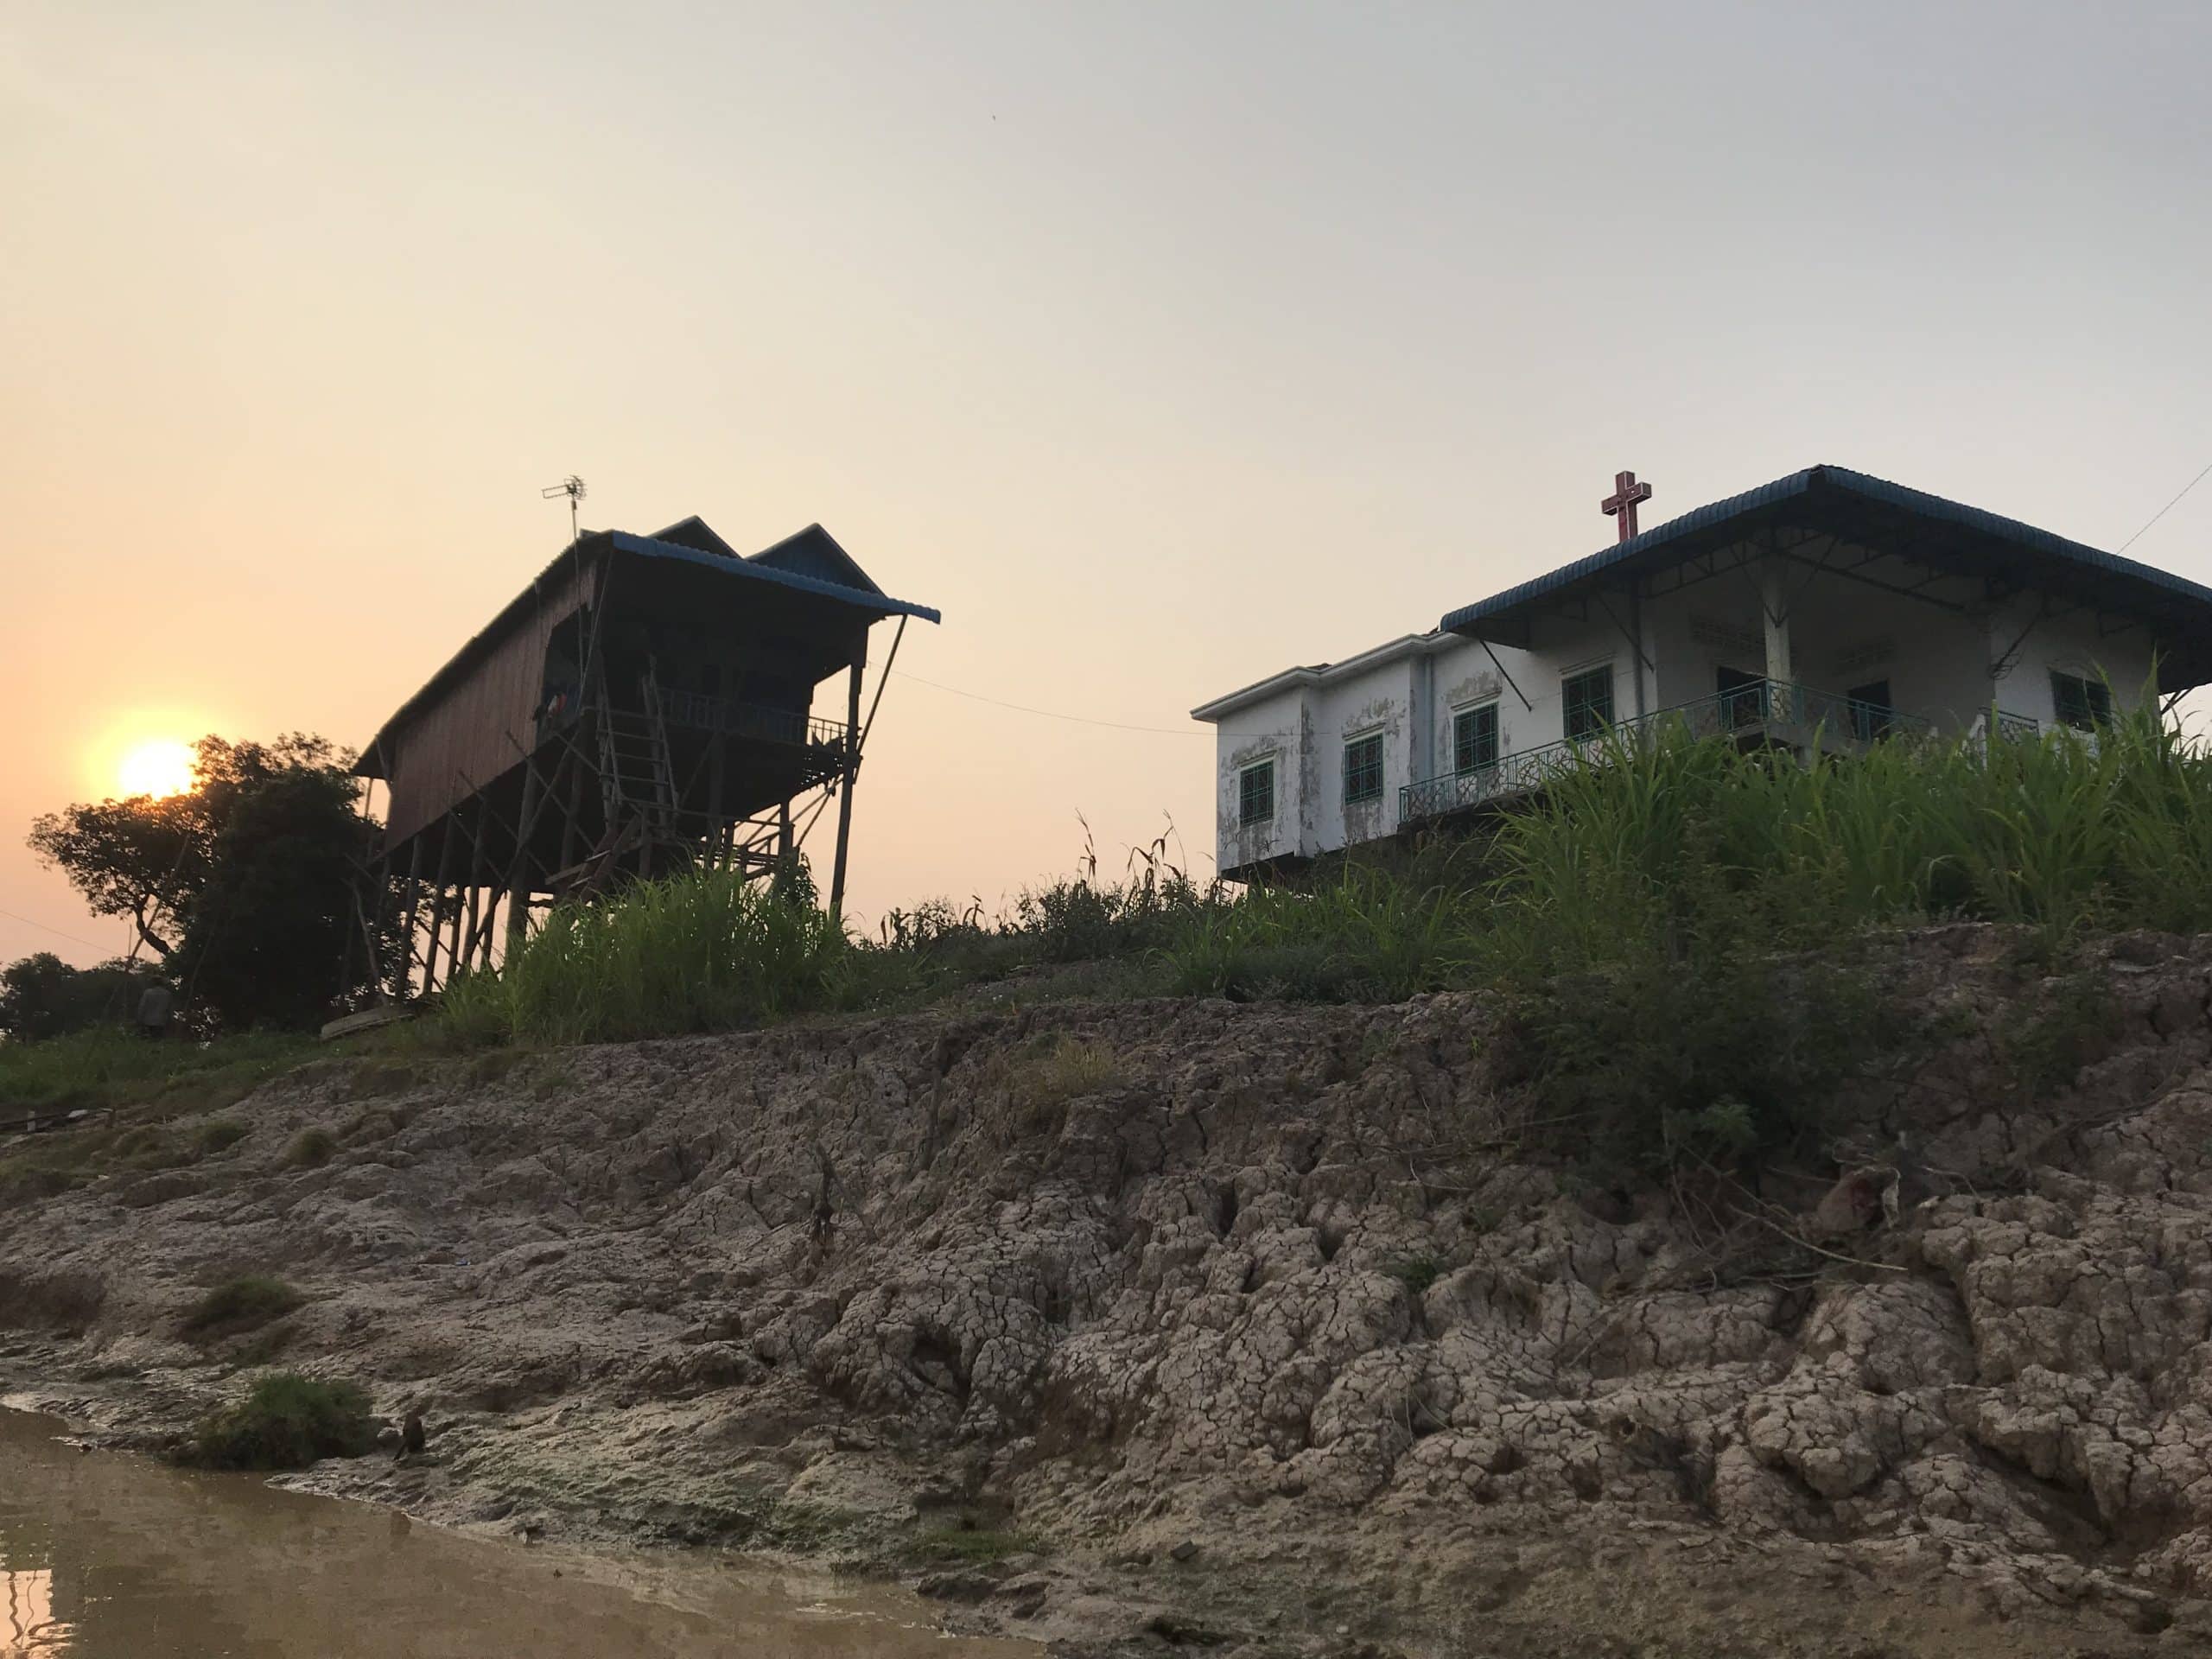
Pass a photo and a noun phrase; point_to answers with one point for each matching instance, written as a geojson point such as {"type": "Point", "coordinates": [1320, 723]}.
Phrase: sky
{"type": "Point", "coordinates": [1160, 346]}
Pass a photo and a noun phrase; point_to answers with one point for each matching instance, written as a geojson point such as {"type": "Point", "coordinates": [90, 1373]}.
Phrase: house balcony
{"type": "Point", "coordinates": [1758, 713]}
{"type": "Point", "coordinates": [760, 722]}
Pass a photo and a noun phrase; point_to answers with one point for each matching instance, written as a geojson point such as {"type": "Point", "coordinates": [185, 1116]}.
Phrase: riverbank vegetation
{"type": "Point", "coordinates": [287, 1422]}
{"type": "Point", "coordinates": [1674, 931]}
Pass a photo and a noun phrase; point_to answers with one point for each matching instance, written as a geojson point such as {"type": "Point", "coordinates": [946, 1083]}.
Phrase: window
{"type": "Point", "coordinates": [1474, 738]}
{"type": "Point", "coordinates": [1363, 768]}
{"type": "Point", "coordinates": [1256, 794]}
{"type": "Point", "coordinates": [1588, 697]}
{"type": "Point", "coordinates": [1869, 710]}
{"type": "Point", "coordinates": [2082, 703]}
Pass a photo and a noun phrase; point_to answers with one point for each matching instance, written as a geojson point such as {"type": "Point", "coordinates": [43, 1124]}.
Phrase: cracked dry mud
{"type": "Point", "coordinates": [1241, 1315]}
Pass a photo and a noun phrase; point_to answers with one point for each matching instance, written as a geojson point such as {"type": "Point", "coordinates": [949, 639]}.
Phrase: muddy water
{"type": "Point", "coordinates": [110, 1557]}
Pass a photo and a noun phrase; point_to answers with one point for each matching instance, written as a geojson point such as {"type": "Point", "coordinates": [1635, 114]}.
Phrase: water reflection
{"type": "Point", "coordinates": [28, 1628]}
{"type": "Point", "coordinates": [108, 1557]}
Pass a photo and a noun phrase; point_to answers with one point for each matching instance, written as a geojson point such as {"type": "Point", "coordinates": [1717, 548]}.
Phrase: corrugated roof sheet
{"type": "Point", "coordinates": [1837, 485]}
{"type": "Point", "coordinates": [870, 597]}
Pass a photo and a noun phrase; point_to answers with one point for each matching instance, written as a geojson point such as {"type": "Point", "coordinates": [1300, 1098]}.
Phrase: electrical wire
{"type": "Point", "coordinates": [1053, 713]}
{"type": "Point", "coordinates": [75, 938]}
{"type": "Point", "coordinates": [2168, 508]}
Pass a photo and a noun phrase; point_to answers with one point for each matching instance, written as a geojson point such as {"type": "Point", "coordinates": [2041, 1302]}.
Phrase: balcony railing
{"type": "Point", "coordinates": [753, 720]}
{"type": "Point", "coordinates": [1754, 708]}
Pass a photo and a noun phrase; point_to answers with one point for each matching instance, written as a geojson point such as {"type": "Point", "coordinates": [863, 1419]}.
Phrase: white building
{"type": "Point", "coordinates": [1828, 607]}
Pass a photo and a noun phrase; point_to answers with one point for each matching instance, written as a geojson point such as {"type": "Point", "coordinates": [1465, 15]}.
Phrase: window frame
{"type": "Point", "coordinates": [1245, 819]}
{"type": "Point", "coordinates": [1871, 719]}
{"type": "Point", "coordinates": [1360, 742]}
{"type": "Point", "coordinates": [1460, 765]}
{"type": "Point", "coordinates": [1569, 708]}
{"type": "Point", "coordinates": [2095, 705]}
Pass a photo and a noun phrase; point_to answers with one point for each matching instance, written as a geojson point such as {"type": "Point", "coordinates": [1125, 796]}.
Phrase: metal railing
{"type": "Point", "coordinates": [1756, 707]}
{"type": "Point", "coordinates": [702, 713]}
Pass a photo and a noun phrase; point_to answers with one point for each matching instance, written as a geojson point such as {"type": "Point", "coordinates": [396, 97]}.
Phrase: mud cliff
{"type": "Point", "coordinates": [1249, 1324]}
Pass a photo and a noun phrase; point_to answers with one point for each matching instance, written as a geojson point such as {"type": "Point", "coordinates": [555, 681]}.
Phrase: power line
{"type": "Point", "coordinates": [2168, 508]}
{"type": "Point", "coordinates": [77, 938]}
{"type": "Point", "coordinates": [1051, 713]}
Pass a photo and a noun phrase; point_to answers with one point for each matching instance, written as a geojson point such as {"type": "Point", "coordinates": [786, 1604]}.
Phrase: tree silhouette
{"type": "Point", "coordinates": [242, 886]}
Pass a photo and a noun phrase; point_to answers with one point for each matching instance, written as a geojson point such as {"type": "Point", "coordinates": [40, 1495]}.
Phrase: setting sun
{"type": "Point", "coordinates": [158, 766]}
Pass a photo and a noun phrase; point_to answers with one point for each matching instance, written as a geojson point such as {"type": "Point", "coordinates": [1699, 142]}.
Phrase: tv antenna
{"type": "Point", "coordinates": [573, 487]}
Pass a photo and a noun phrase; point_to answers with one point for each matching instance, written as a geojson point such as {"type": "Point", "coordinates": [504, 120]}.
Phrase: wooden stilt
{"type": "Point", "coordinates": [521, 878]}
{"type": "Point", "coordinates": [475, 889]}
{"type": "Point", "coordinates": [404, 974]}
{"type": "Point", "coordinates": [575, 806]}
{"type": "Point", "coordinates": [453, 935]}
{"type": "Point", "coordinates": [440, 896]}
{"type": "Point", "coordinates": [845, 794]}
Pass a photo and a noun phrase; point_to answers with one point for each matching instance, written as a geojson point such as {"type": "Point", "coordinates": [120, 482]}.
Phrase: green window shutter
{"type": "Point", "coordinates": [1363, 769]}
{"type": "Point", "coordinates": [1255, 793]}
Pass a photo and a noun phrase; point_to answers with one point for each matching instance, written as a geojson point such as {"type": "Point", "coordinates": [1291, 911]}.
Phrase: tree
{"type": "Point", "coordinates": [42, 996]}
{"type": "Point", "coordinates": [244, 885]}
{"type": "Point", "coordinates": [128, 858]}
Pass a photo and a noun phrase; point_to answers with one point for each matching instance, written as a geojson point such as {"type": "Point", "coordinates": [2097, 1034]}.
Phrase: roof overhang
{"type": "Point", "coordinates": [1406, 644]}
{"type": "Point", "coordinates": [870, 599]}
{"type": "Point", "coordinates": [1828, 517]}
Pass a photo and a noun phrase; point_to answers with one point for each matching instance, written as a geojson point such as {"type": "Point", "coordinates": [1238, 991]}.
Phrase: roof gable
{"type": "Point", "coordinates": [695, 533]}
{"type": "Point", "coordinates": [814, 552]}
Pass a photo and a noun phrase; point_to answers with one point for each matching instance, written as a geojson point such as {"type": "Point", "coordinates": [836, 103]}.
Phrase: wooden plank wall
{"type": "Point", "coordinates": [462, 738]}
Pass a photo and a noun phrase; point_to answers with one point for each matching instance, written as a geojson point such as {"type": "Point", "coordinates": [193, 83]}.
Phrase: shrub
{"type": "Point", "coordinates": [287, 1421]}
{"type": "Point", "coordinates": [239, 1305]}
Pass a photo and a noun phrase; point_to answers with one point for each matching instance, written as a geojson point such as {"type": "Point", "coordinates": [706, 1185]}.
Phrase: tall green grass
{"type": "Point", "coordinates": [2065, 832]}
{"type": "Point", "coordinates": [701, 952]}
{"type": "Point", "coordinates": [1676, 930]}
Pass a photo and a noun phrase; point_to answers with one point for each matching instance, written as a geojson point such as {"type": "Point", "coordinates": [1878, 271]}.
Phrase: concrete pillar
{"type": "Point", "coordinates": [1774, 610]}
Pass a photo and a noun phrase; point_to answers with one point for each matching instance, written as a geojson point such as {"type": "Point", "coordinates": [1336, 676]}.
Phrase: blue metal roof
{"type": "Point", "coordinates": [1849, 500]}
{"type": "Point", "coordinates": [881, 604]}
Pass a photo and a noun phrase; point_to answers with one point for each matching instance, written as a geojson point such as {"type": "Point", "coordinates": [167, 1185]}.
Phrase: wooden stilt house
{"type": "Point", "coordinates": [646, 705]}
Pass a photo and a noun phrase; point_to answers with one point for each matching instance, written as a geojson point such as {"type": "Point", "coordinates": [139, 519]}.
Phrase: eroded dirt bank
{"type": "Point", "coordinates": [1253, 1318]}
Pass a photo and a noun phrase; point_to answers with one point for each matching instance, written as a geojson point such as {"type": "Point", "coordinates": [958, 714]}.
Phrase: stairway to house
{"type": "Point", "coordinates": [637, 784]}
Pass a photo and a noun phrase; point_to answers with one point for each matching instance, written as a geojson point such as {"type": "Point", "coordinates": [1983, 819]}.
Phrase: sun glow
{"type": "Point", "coordinates": [158, 766]}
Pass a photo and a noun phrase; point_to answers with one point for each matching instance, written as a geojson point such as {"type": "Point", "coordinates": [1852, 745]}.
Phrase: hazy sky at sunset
{"type": "Point", "coordinates": [1160, 346]}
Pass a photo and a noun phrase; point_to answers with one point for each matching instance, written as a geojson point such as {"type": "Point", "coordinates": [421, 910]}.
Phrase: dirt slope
{"type": "Point", "coordinates": [1250, 1316]}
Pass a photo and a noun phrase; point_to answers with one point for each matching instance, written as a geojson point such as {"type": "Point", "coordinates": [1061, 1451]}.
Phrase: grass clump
{"type": "Point", "coordinates": [1064, 1068]}
{"type": "Point", "coordinates": [287, 1421]}
{"type": "Point", "coordinates": [972, 1546]}
{"type": "Point", "coordinates": [218, 1134]}
{"type": "Point", "coordinates": [1415, 1272]}
{"type": "Point", "coordinates": [239, 1304]}
{"type": "Point", "coordinates": [311, 1148]}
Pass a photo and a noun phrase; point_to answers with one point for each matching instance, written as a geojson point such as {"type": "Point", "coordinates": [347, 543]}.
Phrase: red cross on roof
{"type": "Point", "coordinates": [1621, 504]}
